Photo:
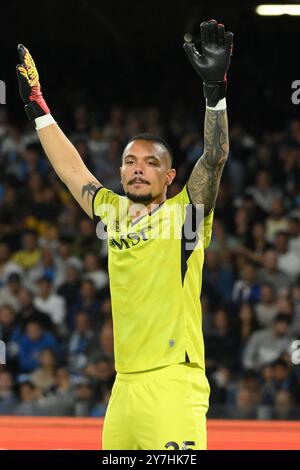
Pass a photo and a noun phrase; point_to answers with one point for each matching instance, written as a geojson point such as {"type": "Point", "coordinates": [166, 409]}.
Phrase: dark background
{"type": "Point", "coordinates": [130, 53]}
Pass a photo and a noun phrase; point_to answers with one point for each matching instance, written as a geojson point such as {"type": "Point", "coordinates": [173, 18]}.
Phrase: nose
{"type": "Point", "coordinates": [138, 170]}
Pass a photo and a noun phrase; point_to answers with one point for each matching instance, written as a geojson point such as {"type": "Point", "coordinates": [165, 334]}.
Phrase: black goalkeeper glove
{"type": "Point", "coordinates": [29, 85]}
{"type": "Point", "coordinates": [212, 64]}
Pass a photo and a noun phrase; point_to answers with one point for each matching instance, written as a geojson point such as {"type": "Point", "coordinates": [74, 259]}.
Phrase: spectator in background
{"type": "Point", "coordinates": [44, 376]}
{"type": "Point", "coordinates": [267, 388]}
{"type": "Point", "coordinates": [32, 343]}
{"type": "Point", "coordinates": [9, 293]}
{"type": "Point", "coordinates": [91, 265]}
{"type": "Point", "coordinates": [50, 303]}
{"type": "Point", "coordinates": [10, 333]}
{"type": "Point", "coordinates": [85, 240]}
{"type": "Point", "coordinates": [70, 288]}
{"type": "Point", "coordinates": [28, 404]}
{"type": "Point", "coordinates": [296, 308]}
{"type": "Point", "coordinates": [246, 289]}
{"type": "Point", "coordinates": [263, 192]}
{"type": "Point", "coordinates": [285, 305]}
{"type": "Point", "coordinates": [28, 312]}
{"type": "Point", "coordinates": [81, 122]}
{"type": "Point", "coordinates": [284, 406]}
{"type": "Point", "coordinates": [100, 407]}
{"type": "Point", "coordinates": [270, 273]}
{"type": "Point", "coordinates": [241, 226]}
{"type": "Point", "coordinates": [224, 209]}
{"type": "Point", "coordinates": [46, 268]}
{"type": "Point", "coordinates": [10, 215]}
{"type": "Point", "coordinates": [65, 259]}
{"type": "Point", "coordinates": [285, 379]}
{"type": "Point", "coordinates": [102, 346]}
{"type": "Point", "coordinates": [60, 399]}
{"type": "Point", "coordinates": [288, 261]}
{"type": "Point", "coordinates": [222, 242]}
{"type": "Point", "coordinates": [102, 372]}
{"type": "Point", "coordinates": [289, 172]}
{"type": "Point", "coordinates": [153, 121]}
{"type": "Point", "coordinates": [87, 301]}
{"type": "Point", "coordinates": [68, 220]}
{"type": "Point", "coordinates": [221, 343]}
{"type": "Point", "coordinates": [246, 404]}
{"type": "Point", "coordinates": [106, 311]}
{"type": "Point", "coordinates": [245, 325]}
{"type": "Point", "coordinates": [113, 157]}
{"type": "Point", "coordinates": [294, 234]}
{"type": "Point", "coordinates": [32, 162]}
{"type": "Point", "coordinates": [267, 345]}
{"type": "Point", "coordinates": [77, 347]}
{"type": "Point", "coordinates": [85, 399]}
{"type": "Point", "coordinates": [50, 238]}
{"type": "Point", "coordinates": [6, 266]}
{"type": "Point", "coordinates": [30, 254]}
{"type": "Point", "coordinates": [266, 309]}
{"type": "Point", "coordinates": [263, 160]}
{"type": "Point", "coordinates": [218, 279]}
{"type": "Point", "coordinates": [8, 397]}
{"type": "Point", "coordinates": [116, 124]}
{"type": "Point", "coordinates": [219, 381]}
{"type": "Point", "coordinates": [254, 248]}
{"type": "Point", "coordinates": [277, 220]}
{"type": "Point", "coordinates": [81, 145]}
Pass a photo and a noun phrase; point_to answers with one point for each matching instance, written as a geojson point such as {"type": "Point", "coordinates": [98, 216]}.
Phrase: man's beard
{"type": "Point", "coordinates": [140, 198]}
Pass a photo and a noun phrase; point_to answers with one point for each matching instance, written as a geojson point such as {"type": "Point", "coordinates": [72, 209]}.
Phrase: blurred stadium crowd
{"type": "Point", "coordinates": [55, 310]}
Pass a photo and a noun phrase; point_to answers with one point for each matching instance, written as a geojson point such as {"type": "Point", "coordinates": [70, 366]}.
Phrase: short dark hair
{"type": "Point", "coordinates": [280, 362]}
{"type": "Point", "coordinates": [282, 317]}
{"type": "Point", "coordinates": [153, 138]}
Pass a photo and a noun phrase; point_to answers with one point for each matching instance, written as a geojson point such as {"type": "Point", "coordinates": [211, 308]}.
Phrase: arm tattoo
{"type": "Point", "coordinates": [89, 190]}
{"type": "Point", "coordinates": [203, 184]}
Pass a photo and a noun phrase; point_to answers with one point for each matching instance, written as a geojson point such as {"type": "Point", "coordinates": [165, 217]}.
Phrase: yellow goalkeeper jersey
{"type": "Point", "coordinates": [155, 269]}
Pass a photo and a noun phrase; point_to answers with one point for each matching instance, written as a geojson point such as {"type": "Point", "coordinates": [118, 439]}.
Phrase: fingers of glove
{"type": "Point", "coordinates": [24, 86]}
{"type": "Point", "coordinates": [29, 65]}
{"type": "Point", "coordinates": [204, 28]}
{"type": "Point", "coordinates": [22, 51]}
{"type": "Point", "coordinates": [229, 41]}
{"type": "Point", "coordinates": [220, 34]}
{"type": "Point", "coordinates": [213, 30]}
{"type": "Point", "coordinates": [192, 53]}
{"type": "Point", "coordinates": [22, 72]}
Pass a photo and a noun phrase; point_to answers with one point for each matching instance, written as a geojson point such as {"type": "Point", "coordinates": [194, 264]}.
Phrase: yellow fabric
{"type": "Point", "coordinates": [155, 283]}
{"type": "Point", "coordinates": [27, 259]}
{"type": "Point", "coordinates": [158, 409]}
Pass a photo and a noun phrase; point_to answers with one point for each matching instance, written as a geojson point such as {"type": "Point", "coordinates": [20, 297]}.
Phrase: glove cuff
{"type": "Point", "coordinates": [34, 110]}
{"type": "Point", "coordinates": [214, 92]}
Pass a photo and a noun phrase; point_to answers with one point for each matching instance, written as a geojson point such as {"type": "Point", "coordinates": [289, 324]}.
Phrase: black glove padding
{"type": "Point", "coordinates": [213, 63]}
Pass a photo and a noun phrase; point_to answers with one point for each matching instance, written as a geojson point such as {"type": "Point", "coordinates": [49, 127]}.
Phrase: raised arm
{"type": "Point", "coordinates": [212, 66]}
{"type": "Point", "coordinates": [203, 184]}
{"type": "Point", "coordinates": [61, 153]}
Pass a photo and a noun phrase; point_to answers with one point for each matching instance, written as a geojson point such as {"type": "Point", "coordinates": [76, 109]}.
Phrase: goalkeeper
{"type": "Point", "coordinates": [160, 397]}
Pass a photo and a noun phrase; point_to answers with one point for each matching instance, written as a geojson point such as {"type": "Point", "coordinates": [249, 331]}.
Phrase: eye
{"type": "Point", "coordinates": [128, 162]}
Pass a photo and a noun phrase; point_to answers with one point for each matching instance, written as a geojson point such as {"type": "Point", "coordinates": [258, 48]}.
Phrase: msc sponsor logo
{"type": "Point", "coordinates": [131, 240]}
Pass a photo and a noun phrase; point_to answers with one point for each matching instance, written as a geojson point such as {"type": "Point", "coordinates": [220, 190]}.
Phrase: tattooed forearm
{"type": "Point", "coordinates": [203, 184]}
{"type": "Point", "coordinates": [89, 190]}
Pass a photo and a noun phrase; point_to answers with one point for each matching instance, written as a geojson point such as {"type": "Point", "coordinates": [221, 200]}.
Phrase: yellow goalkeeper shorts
{"type": "Point", "coordinates": [163, 408]}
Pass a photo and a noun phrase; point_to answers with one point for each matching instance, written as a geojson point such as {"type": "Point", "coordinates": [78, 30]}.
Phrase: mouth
{"type": "Point", "coordinates": [138, 182]}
